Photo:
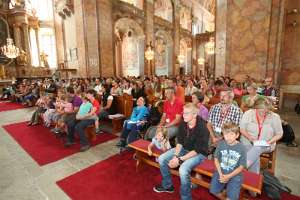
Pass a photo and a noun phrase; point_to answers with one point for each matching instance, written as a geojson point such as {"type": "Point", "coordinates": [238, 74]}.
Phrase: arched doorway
{"type": "Point", "coordinates": [163, 53]}
{"type": "Point", "coordinates": [129, 48]}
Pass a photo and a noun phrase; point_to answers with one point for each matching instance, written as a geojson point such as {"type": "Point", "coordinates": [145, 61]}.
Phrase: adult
{"type": "Point", "coordinates": [259, 124]}
{"type": "Point", "coordinates": [221, 113]}
{"type": "Point", "coordinates": [190, 88]}
{"type": "Point", "coordinates": [136, 121]}
{"type": "Point", "coordinates": [197, 100]}
{"type": "Point", "coordinates": [80, 125]}
{"type": "Point", "coordinates": [269, 89]}
{"type": "Point", "coordinates": [249, 99]}
{"type": "Point", "coordinates": [171, 117]}
{"type": "Point", "coordinates": [190, 151]}
{"type": "Point", "coordinates": [108, 107]}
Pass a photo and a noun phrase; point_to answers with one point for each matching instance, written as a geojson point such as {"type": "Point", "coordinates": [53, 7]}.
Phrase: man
{"type": "Point", "coordinates": [179, 90]}
{"type": "Point", "coordinates": [171, 117]}
{"type": "Point", "coordinates": [82, 123]}
{"type": "Point", "coordinates": [190, 151]}
{"type": "Point", "coordinates": [221, 113]}
{"type": "Point", "coordinates": [76, 102]}
{"type": "Point", "coordinates": [190, 88]}
{"type": "Point", "coordinates": [269, 90]}
{"type": "Point", "coordinates": [98, 86]}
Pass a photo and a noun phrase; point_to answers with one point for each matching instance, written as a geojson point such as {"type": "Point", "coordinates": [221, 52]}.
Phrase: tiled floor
{"type": "Point", "coordinates": [22, 178]}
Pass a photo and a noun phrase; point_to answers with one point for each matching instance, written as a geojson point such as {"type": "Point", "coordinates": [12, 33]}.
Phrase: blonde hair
{"type": "Point", "coordinates": [192, 107]}
{"type": "Point", "coordinates": [163, 131]}
{"type": "Point", "coordinates": [230, 127]}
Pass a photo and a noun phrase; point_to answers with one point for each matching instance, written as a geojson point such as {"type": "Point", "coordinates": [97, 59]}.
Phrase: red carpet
{"type": "Point", "coordinates": [42, 145]}
{"type": "Point", "coordinates": [117, 179]}
{"type": "Point", "coordinates": [5, 106]}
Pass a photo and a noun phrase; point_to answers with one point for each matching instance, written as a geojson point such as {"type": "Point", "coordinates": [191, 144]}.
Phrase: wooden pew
{"type": "Point", "coordinates": [188, 99]}
{"type": "Point", "coordinates": [252, 181]}
{"type": "Point", "coordinates": [124, 106]}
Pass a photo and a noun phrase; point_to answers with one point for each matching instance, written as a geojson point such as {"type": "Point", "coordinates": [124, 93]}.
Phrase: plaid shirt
{"type": "Point", "coordinates": [234, 115]}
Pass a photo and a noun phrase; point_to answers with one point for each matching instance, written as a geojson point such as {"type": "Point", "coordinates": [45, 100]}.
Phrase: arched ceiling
{"type": "Point", "coordinates": [209, 5]}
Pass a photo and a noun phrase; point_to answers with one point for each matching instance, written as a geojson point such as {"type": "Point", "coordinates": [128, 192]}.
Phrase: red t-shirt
{"type": "Point", "coordinates": [172, 110]}
{"type": "Point", "coordinates": [96, 105]}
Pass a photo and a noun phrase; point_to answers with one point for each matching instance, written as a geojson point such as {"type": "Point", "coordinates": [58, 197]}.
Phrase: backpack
{"type": "Point", "coordinates": [272, 186]}
{"type": "Point", "coordinates": [288, 134]}
{"type": "Point", "coordinates": [297, 108]}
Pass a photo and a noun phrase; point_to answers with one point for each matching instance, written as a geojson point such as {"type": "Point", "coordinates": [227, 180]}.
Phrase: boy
{"type": "Point", "coordinates": [230, 160]}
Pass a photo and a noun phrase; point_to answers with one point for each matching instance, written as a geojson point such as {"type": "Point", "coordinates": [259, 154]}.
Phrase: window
{"type": "Point", "coordinates": [34, 49]}
{"type": "Point", "coordinates": [44, 9]}
{"type": "Point", "coordinates": [47, 45]}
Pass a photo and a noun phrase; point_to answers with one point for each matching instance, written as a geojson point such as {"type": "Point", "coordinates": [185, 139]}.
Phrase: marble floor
{"type": "Point", "coordinates": [22, 178]}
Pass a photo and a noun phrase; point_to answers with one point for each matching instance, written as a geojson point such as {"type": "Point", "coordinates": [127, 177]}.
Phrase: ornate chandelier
{"type": "Point", "coordinates": [149, 53]}
{"type": "Point", "coordinates": [10, 50]}
{"type": "Point", "coordinates": [210, 46]}
{"type": "Point", "coordinates": [180, 58]}
{"type": "Point", "coordinates": [201, 61]}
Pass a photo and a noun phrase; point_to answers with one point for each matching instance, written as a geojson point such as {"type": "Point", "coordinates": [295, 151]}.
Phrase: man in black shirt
{"type": "Point", "coordinates": [190, 151]}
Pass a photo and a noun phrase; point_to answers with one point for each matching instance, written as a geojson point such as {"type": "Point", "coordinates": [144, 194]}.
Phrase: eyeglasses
{"type": "Point", "coordinates": [187, 113]}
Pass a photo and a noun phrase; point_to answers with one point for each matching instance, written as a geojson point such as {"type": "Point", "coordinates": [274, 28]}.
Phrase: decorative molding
{"type": "Point", "coordinates": [123, 9]}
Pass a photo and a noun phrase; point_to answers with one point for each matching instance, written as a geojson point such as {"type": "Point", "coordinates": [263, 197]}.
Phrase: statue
{"type": "Point", "coordinates": [22, 58]}
{"type": "Point", "coordinates": [44, 59]}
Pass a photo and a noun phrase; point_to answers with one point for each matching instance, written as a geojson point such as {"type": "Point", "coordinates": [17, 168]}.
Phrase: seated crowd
{"type": "Point", "coordinates": [196, 116]}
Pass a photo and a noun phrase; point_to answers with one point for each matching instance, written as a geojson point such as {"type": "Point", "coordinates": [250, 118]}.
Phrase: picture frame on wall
{"type": "Point", "coordinates": [73, 54]}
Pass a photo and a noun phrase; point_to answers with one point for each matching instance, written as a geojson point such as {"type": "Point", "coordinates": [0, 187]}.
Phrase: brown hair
{"type": "Point", "coordinates": [230, 127]}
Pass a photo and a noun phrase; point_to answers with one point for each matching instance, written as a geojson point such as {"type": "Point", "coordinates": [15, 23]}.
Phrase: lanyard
{"type": "Point", "coordinates": [260, 123]}
{"type": "Point", "coordinates": [223, 115]}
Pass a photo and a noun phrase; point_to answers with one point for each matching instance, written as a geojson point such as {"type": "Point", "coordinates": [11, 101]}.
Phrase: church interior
{"type": "Point", "coordinates": [88, 86]}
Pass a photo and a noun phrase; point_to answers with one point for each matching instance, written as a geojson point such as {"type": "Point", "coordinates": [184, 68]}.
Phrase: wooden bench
{"type": "Point", "coordinates": [124, 106]}
{"type": "Point", "coordinates": [252, 181]}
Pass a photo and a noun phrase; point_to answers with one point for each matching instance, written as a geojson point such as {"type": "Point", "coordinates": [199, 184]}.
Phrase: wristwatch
{"type": "Point", "coordinates": [179, 160]}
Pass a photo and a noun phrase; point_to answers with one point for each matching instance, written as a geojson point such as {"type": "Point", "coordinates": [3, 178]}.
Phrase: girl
{"type": "Point", "coordinates": [160, 140]}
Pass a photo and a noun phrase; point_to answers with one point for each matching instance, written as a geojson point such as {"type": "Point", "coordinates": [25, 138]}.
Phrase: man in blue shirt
{"type": "Point", "coordinates": [131, 126]}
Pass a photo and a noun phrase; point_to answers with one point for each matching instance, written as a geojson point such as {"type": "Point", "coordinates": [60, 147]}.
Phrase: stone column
{"type": "Point", "coordinates": [243, 29]}
{"type": "Point", "coordinates": [221, 21]}
{"type": "Point", "coordinates": [38, 44]}
{"type": "Point", "coordinates": [105, 37]}
{"type": "Point", "coordinates": [176, 36]}
{"type": "Point", "coordinates": [17, 36]}
{"type": "Point", "coordinates": [27, 43]}
{"type": "Point", "coordinates": [149, 33]}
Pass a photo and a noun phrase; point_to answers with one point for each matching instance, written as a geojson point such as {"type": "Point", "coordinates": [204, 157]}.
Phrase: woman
{"type": "Point", "coordinates": [198, 99]}
{"type": "Point", "coordinates": [108, 103]}
{"type": "Point", "coordinates": [249, 99]}
{"type": "Point", "coordinates": [135, 123]}
{"type": "Point", "coordinates": [261, 129]}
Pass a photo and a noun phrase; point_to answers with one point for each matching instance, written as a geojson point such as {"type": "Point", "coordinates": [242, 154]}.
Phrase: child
{"type": "Point", "coordinates": [230, 160]}
{"type": "Point", "coordinates": [160, 140]}
{"type": "Point", "coordinates": [84, 111]}
{"type": "Point", "coordinates": [50, 110]}
{"type": "Point", "coordinates": [65, 109]}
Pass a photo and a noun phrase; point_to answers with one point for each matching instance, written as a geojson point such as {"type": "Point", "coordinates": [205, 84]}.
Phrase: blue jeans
{"type": "Point", "coordinates": [233, 186]}
{"type": "Point", "coordinates": [130, 131]}
{"type": "Point", "coordinates": [184, 171]}
{"type": "Point", "coordinates": [79, 127]}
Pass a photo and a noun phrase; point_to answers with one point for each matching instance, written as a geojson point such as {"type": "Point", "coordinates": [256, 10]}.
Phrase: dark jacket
{"type": "Point", "coordinates": [194, 139]}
